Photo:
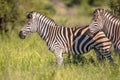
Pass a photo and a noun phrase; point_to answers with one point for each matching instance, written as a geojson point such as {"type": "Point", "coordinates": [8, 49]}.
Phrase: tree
{"type": "Point", "coordinates": [115, 6]}
{"type": "Point", "coordinates": [8, 13]}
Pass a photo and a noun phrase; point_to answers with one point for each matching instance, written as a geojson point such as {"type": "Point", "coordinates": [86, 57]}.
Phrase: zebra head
{"type": "Point", "coordinates": [97, 21]}
{"type": "Point", "coordinates": [30, 26]}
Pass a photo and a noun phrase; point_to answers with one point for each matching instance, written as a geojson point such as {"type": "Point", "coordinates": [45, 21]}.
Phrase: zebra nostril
{"type": "Point", "coordinates": [21, 35]}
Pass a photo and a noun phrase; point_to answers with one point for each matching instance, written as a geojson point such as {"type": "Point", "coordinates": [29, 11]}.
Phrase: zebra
{"type": "Point", "coordinates": [107, 22]}
{"type": "Point", "coordinates": [68, 40]}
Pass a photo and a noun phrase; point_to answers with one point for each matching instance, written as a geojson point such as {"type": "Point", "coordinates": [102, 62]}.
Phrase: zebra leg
{"type": "Point", "coordinates": [104, 54]}
{"type": "Point", "coordinates": [108, 56]}
{"type": "Point", "coordinates": [99, 55]}
{"type": "Point", "coordinates": [59, 57]}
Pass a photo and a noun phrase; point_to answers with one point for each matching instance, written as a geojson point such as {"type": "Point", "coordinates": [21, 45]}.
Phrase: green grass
{"type": "Point", "coordinates": [29, 59]}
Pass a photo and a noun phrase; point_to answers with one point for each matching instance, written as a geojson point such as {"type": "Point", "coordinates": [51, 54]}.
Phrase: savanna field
{"type": "Point", "coordinates": [30, 59]}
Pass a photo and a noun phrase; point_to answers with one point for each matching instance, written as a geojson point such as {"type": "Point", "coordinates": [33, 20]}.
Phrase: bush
{"type": "Point", "coordinates": [96, 2]}
{"type": "Point", "coordinates": [14, 11]}
{"type": "Point", "coordinates": [115, 6]}
{"type": "Point", "coordinates": [70, 3]}
{"type": "Point", "coordinates": [8, 13]}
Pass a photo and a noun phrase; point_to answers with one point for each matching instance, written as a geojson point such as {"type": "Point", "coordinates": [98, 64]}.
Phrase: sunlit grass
{"type": "Point", "coordinates": [29, 59]}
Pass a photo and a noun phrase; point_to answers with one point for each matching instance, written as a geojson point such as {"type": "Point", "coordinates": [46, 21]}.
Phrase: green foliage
{"type": "Point", "coordinates": [96, 2]}
{"type": "Point", "coordinates": [9, 8]}
{"type": "Point", "coordinates": [37, 5]}
{"type": "Point", "coordinates": [15, 10]}
{"type": "Point", "coordinates": [115, 6]}
{"type": "Point", "coordinates": [71, 3]}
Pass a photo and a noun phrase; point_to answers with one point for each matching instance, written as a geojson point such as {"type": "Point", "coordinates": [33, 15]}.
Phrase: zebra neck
{"type": "Point", "coordinates": [46, 30]}
{"type": "Point", "coordinates": [111, 27]}
{"type": "Point", "coordinates": [111, 24]}
{"type": "Point", "coordinates": [110, 21]}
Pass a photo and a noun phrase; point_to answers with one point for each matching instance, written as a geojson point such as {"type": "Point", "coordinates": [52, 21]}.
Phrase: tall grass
{"type": "Point", "coordinates": [30, 59]}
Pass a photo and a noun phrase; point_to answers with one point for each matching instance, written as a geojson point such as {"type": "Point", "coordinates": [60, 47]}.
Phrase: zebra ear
{"type": "Point", "coordinates": [29, 16]}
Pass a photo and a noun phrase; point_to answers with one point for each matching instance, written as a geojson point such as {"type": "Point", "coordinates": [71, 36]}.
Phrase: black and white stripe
{"type": "Point", "coordinates": [104, 20]}
{"type": "Point", "coordinates": [64, 39]}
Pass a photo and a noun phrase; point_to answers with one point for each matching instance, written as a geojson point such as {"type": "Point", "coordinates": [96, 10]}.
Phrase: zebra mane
{"type": "Point", "coordinates": [38, 13]}
{"type": "Point", "coordinates": [112, 14]}
{"type": "Point", "coordinates": [103, 11]}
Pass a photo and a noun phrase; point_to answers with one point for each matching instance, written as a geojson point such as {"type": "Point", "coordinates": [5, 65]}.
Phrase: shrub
{"type": "Point", "coordinates": [8, 13]}
{"type": "Point", "coordinates": [70, 3]}
{"type": "Point", "coordinates": [115, 6]}
{"type": "Point", "coordinates": [96, 2]}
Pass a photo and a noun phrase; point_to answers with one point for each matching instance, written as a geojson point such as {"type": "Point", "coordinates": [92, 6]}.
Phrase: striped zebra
{"type": "Point", "coordinates": [65, 39]}
{"type": "Point", "coordinates": [104, 20]}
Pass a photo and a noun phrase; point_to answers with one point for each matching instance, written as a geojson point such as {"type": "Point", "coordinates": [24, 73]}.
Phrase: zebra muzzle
{"type": "Point", "coordinates": [21, 35]}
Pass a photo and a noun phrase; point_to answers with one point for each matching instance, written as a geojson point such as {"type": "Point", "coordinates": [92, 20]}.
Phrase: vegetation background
{"type": "Point", "coordinates": [30, 59]}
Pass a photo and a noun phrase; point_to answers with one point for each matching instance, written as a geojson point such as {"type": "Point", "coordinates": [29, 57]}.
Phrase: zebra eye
{"type": "Point", "coordinates": [28, 23]}
{"type": "Point", "coordinates": [29, 16]}
{"type": "Point", "coordinates": [95, 20]}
